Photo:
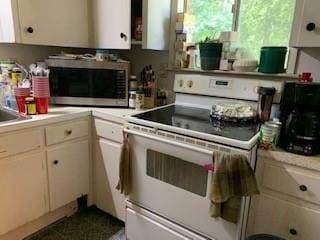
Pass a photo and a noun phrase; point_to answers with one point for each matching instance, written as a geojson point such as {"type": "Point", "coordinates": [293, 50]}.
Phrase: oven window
{"type": "Point", "coordinates": [177, 172]}
{"type": "Point", "coordinates": [87, 83]}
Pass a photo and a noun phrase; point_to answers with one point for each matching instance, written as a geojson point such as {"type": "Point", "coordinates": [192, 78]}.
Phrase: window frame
{"type": "Point", "coordinates": [293, 53]}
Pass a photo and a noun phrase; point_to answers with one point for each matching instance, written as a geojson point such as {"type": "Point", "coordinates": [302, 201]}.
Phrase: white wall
{"type": "Point", "coordinates": [27, 54]}
{"type": "Point", "coordinates": [309, 61]}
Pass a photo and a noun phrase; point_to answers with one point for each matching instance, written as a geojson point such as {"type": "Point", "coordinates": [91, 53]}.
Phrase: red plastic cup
{"type": "Point", "coordinates": [42, 104]}
{"type": "Point", "coordinates": [21, 103]}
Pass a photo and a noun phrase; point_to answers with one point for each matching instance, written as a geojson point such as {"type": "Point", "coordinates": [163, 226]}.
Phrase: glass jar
{"type": "Point", "coordinates": [133, 83]}
{"type": "Point", "coordinates": [132, 99]}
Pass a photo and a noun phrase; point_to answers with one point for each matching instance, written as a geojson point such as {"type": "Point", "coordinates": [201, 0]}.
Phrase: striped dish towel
{"type": "Point", "coordinates": [124, 184]}
{"type": "Point", "coordinates": [232, 179]}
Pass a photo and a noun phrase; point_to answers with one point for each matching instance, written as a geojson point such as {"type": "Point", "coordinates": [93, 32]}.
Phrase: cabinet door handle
{"type": "Point", "coordinates": [303, 188]}
{"type": "Point", "coordinates": [293, 231]}
{"type": "Point", "coordinates": [55, 162]}
{"type": "Point", "coordinates": [123, 36]}
{"type": "Point", "coordinates": [30, 30]}
{"type": "Point", "coordinates": [68, 132]}
{"type": "Point", "coordinates": [311, 27]}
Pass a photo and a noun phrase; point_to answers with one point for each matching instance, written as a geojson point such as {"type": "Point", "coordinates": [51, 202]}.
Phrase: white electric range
{"type": "Point", "coordinates": [172, 159]}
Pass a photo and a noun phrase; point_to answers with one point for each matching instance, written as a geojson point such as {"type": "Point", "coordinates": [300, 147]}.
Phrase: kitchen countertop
{"type": "Point", "coordinates": [58, 114]}
{"type": "Point", "coordinates": [311, 163]}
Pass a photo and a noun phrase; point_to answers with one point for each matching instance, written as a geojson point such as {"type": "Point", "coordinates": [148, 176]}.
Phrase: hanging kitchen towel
{"type": "Point", "coordinates": [124, 184]}
{"type": "Point", "coordinates": [232, 179]}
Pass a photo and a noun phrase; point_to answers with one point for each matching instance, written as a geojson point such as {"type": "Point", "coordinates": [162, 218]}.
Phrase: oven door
{"type": "Point", "coordinates": [169, 178]}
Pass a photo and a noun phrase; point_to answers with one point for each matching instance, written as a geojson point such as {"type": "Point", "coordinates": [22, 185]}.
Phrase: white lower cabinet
{"type": "Point", "coordinates": [23, 190]}
{"type": "Point", "coordinates": [288, 205]}
{"type": "Point", "coordinates": [272, 216]}
{"type": "Point", "coordinates": [68, 169]}
{"type": "Point", "coordinates": [108, 198]}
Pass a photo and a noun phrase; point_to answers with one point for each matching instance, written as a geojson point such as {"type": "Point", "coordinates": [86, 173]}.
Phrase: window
{"type": "Point", "coordinates": [259, 22]}
{"type": "Point", "coordinates": [211, 17]}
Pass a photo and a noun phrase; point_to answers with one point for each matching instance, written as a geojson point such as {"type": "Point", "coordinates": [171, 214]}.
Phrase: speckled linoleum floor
{"type": "Point", "coordinates": [87, 224]}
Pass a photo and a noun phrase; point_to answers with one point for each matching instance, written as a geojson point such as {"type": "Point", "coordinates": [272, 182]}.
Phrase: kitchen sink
{"type": "Point", "coordinates": [8, 115]}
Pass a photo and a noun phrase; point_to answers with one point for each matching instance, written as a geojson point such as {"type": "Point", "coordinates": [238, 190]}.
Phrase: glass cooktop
{"type": "Point", "coordinates": [197, 119]}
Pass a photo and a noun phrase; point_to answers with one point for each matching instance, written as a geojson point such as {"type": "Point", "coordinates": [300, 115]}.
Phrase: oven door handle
{"type": "Point", "coordinates": [177, 144]}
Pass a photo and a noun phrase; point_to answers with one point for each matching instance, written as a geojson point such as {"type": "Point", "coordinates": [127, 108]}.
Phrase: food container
{"type": "Point", "coordinates": [245, 65]}
{"type": "Point", "coordinates": [267, 137]}
{"type": "Point", "coordinates": [230, 111]}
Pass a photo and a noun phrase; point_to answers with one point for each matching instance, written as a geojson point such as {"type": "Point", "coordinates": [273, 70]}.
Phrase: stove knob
{"type": "Point", "coordinates": [190, 84]}
{"type": "Point", "coordinates": [181, 83]}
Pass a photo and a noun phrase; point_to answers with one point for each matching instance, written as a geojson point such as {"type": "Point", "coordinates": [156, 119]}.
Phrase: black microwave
{"type": "Point", "coordinates": [88, 83]}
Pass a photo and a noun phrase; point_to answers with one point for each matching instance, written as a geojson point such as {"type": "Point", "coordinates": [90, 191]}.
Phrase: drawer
{"type": "Point", "coordinates": [290, 180]}
{"type": "Point", "coordinates": [20, 142]}
{"type": "Point", "coordinates": [67, 131]}
{"type": "Point", "coordinates": [108, 130]}
{"type": "Point", "coordinates": [151, 226]}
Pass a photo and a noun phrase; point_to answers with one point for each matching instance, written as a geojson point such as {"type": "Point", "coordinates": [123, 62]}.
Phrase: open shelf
{"type": "Point", "coordinates": [287, 76]}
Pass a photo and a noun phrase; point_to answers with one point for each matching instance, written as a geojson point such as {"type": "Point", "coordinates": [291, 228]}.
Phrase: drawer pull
{"type": "Point", "coordinates": [303, 188]}
{"type": "Point", "coordinates": [55, 162]}
{"type": "Point", "coordinates": [293, 231]}
{"type": "Point", "coordinates": [68, 132]}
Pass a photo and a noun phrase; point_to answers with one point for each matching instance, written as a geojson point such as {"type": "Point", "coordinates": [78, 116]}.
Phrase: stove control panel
{"type": "Point", "coordinates": [225, 86]}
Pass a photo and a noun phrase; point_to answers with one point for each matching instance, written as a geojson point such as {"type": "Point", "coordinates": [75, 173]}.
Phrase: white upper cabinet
{"type": "Point", "coordinates": [45, 22]}
{"type": "Point", "coordinates": [110, 25]}
{"type": "Point", "coordinates": [7, 30]}
{"type": "Point", "coordinates": [58, 22]}
{"type": "Point", "coordinates": [156, 24]}
{"type": "Point", "coordinates": [306, 24]}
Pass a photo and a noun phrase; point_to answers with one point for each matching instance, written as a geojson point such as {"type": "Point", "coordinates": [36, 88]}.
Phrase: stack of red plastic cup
{"type": "Point", "coordinates": [41, 93]}
{"type": "Point", "coordinates": [21, 94]}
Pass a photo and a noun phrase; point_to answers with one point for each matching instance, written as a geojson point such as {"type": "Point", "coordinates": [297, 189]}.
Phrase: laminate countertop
{"type": "Point", "coordinates": [308, 162]}
{"type": "Point", "coordinates": [59, 114]}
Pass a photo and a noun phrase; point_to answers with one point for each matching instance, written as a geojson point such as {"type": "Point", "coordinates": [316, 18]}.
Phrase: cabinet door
{"type": "Point", "coordinates": [24, 190]}
{"type": "Point", "coordinates": [68, 168]}
{"type": "Point", "coordinates": [306, 225]}
{"type": "Point", "coordinates": [111, 24]}
{"type": "Point", "coordinates": [156, 24]}
{"type": "Point", "coordinates": [272, 216]}
{"type": "Point", "coordinates": [306, 12]}
{"type": "Point", "coordinates": [108, 198]}
{"type": "Point", "coordinates": [7, 28]}
{"type": "Point", "coordinates": [58, 22]}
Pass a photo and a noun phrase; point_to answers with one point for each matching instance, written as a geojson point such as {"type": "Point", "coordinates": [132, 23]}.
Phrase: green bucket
{"type": "Point", "coordinates": [272, 59]}
{"type": "Point", "coordinates": [210, 54]}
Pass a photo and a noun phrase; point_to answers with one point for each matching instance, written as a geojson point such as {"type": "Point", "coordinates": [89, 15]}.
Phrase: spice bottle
{"type": "Point", "coordinates": [30, 106]}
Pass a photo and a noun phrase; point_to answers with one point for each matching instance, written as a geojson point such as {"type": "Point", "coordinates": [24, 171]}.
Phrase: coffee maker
{"type": "Point", "coordinates": [300, 117]}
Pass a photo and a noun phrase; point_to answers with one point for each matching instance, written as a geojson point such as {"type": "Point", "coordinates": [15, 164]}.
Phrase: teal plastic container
{"type": "Point", "coordinates": [272, 59]}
